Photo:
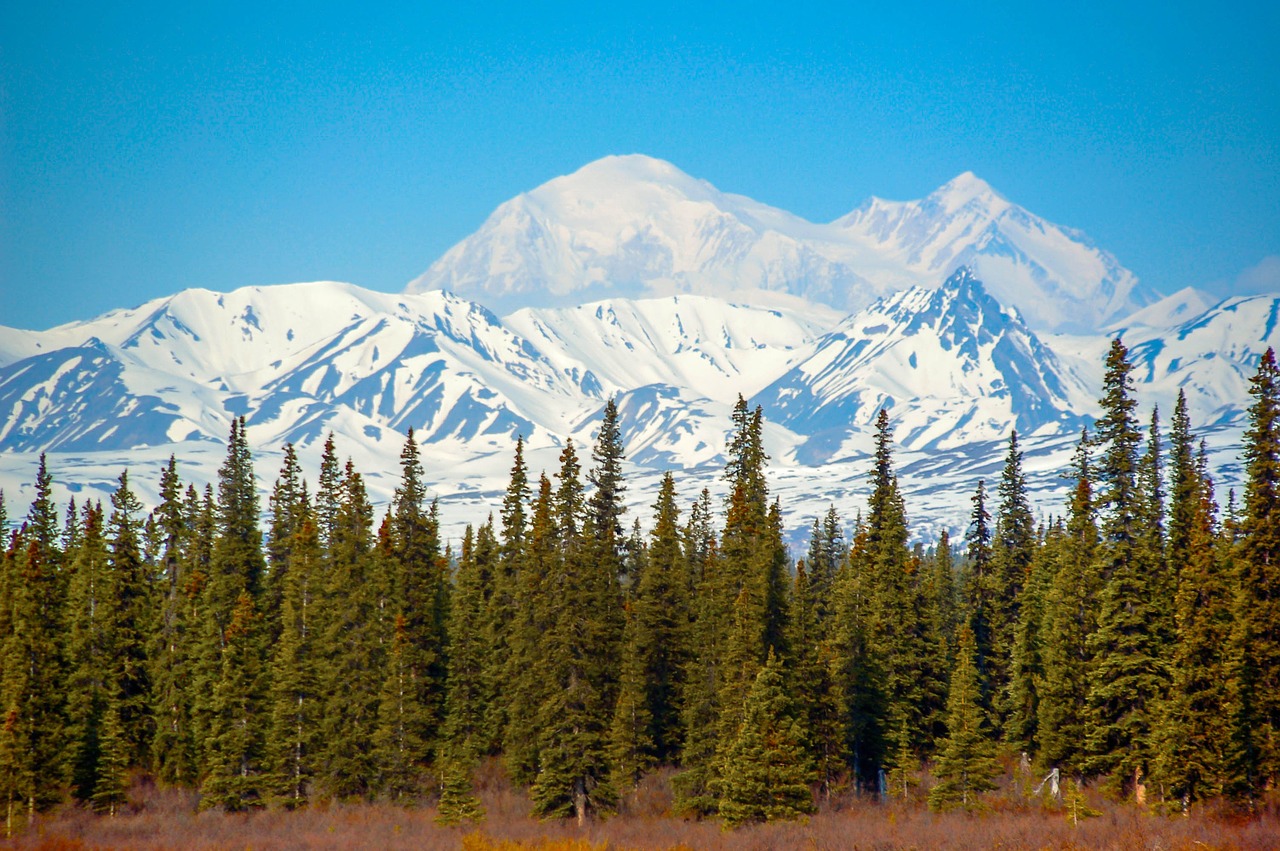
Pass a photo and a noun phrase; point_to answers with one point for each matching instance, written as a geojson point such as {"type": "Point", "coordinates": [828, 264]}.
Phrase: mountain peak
{"type": "Point", "coordinates": [639, 167]}
{"type": "Point", "coordinates": [962, 278]}
{"type": "Point", "coordinates": [964, 189]}
{"type": "Point", "coordinates": [635, 226]}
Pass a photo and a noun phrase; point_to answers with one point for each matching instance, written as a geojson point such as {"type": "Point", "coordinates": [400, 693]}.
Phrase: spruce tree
{"type": "Point", "coordinates": [527, 683]}
{"type": "Point", "coordinates": [767, 770]}
{"type": "Point", "coordinates": [1256, 640]}
{"type": "Point", "coordinates": [573, 717]}
{"type": "Point", "coordinates": [458, 802]}
{"type": "Point", "coordinates": [33, 740]}
{"type": "Point", "coordinates": [978, 587]}
{"type": "Point", "coordinates": [813, 681]}
{"type": "Point", "coordinates": [351, 676]}
{"type": "Point", "coordinates": [129, 606]}
{"type": "Point", "coordinates": [233, 778]}
{"type": "Point", "coordinates": [646, 726]}
{"type": "Point", "coordinates": [1193, 739]}
{"type": "Point", "coordinates": [1070, 618]}
{"type": "Point", "coordinates": [467, 704]}
{"type": "Point", "coordinates": [1128, 676]}
{"type": "Point", "coordinates": [172, 755]}
{"type": "Point", "coordinates": [966, 758]}
{"type": "Point", "coordinates": [1026, 663]}
{"type": "Point", "coordinates": [228, 680]}
{"type": "Point", "coordinates": [286, 507]}
{"type": "Point", "coordinates": [1013, 546]}
{"type": "Point", "coordinates": [944, 588]}
{"type": "Point", "coordinates": [89, 652]}
{"type": "Point", "coordinates": [112, 780]}
{"type": "Point", "coordinates": [502, 615]}
{"type": "Point", "coordinates": [295, 701]}
{"type": "Point", "coordinates": [419, 587]}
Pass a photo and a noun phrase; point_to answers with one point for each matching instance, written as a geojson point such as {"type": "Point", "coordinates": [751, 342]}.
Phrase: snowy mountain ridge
{"type": "Point", "coordinates": [956, 369]}
{"type": "Point", "coordinates": [635, 226]}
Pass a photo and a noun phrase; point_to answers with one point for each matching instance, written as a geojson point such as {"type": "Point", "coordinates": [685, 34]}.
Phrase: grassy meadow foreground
{"type": "Point", "coordinates": [168, 818]}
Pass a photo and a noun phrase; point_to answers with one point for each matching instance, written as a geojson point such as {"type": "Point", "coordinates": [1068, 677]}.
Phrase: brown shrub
{"type": "Point", "coordinates": [163, 818]}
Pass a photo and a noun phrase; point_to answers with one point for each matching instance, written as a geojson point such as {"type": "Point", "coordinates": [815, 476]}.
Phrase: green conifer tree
{"type": "Point", "coordinates": [420, 589]}
{"type": "Point", "coordinates": [1128, 677]}
{"type": "Point", "coordinates": [233, 777]}
{"type": "Point", "coordinates": [812, 680]}
{"type": "Point", "coordinates": [295, 702]}
{"type": "Point", "coordinates": [767, 770]}
{"type": "Point", "coordinates": [467, 705]}
{"type": "Point", "coordinates": [351, 676]}
{"type": "Point", "coordinates": [33, 737]}
{"type": "Point", "coordinates": [89, 655]}
{"type": "Point", "coordinates": [502, 616]}
{"type": "Point", "coordinates": [966, 759]}
{"type": "Point", "coordinates": [1256, 639]}
{"type": "Point", "coordinates": [286, 507]}
{"type": "Point", "coordinates": [1070, 618]}
{"type": "Point", "coordinates": [112, 781]}
{"type": "Point", "coordinates": [1194, 736]}
{"type": "Point", "coordinates": [528, 683]}
{"type": "Point", "coordinates": [458, 801]}
{"type": "Point", "coordinates": [172, 751]}
{"type": "Point", "coordinates": [129, 607]}
{"type": "Point", "coordinates": [977, 587]}
{"type": "Point", "coordinates": [1026, 663]}
{"type": "Point", "coordinates": [573, 717]}
{"type": "Point", "coordinates": [1013, 546]}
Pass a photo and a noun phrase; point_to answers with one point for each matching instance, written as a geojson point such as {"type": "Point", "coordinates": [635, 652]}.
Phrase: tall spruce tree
{"type": "Point", "coordinates": [33, 740]}
{"type": "Point", "coordinates": [229, 677]}
{"type": "Point", "coordinates": [573, 717]}
{"type": "Point", "coordinates": [1070, 618]}
{"type": "Point", "coordinates": [1194, 736]}
{"type": "Point", "coordinates": [89, 652]}
{"type": "Point", "coordinates": [977, 588]}
{"type": "Point", "coordinates": [1256, 641]}
{"type": "Point", "coordinates": [420, 588]}
{"type": "Point", "coordinates": [966, 758]}
{"type": "Point", "coordinates": [1128, 677]}
{"type": "Point", "coordinates": [172, 749]}
{"type": "Point", "coordinates": [295, 699]}
{"type": "Point", "coordinates": [767, 770]}
{"type": "Point", "coordinates": [528, 684]}
{"type": "Point", "coordinates": [286, 507]}
{"type": "Point", "coordinates": [502, 617]}
{"type": "Point", "coordinates": [1013, 545]}
{"type": "Point", "coordinates": [469, 697]}
{"type": "Point", "coordinates": [1026, 663]}
{"type": "Point", "coordinates": [130, 607]}
{"type": "Point", "coordinates": [646, 725]}
{"type": "Point", "coordinates": [812, 680]}
{"type": "Point", "coordinates": [351, 676]}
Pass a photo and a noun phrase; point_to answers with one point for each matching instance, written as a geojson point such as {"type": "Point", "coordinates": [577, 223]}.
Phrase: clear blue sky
{"type": "Point", "coordinates": [144, 149]}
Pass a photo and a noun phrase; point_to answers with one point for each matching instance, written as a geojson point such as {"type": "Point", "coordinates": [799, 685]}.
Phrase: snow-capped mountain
{"type": "Point", "coordinates": [636, 226]}
{"type": "Point", "coordinates": [951, 364]}
{"type": "Point", "coordinates": [718, 348]}
{"type": "Point", "coordinates": [955, 368]}
{"type": "Point", "coordinates": [289, 359]}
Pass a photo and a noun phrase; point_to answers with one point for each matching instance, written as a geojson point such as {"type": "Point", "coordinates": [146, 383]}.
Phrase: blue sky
{"type": "Point", "coordinates": [149, 148]}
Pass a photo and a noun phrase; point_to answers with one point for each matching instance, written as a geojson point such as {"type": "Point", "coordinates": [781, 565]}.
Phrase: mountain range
{"type": "Point", "coordinates": [635, 226]}
{"type": "Point", "coordinates": [962, 314]}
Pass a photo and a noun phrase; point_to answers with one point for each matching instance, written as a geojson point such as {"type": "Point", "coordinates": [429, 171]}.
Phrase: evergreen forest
{"type": "Point", "coordinates": [312, 649]}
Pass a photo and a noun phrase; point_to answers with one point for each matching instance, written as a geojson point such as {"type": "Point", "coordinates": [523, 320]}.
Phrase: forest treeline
{"type": "Point", "coordinates": [319, 652]}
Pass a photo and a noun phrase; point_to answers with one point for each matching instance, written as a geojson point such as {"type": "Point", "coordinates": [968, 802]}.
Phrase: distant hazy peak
{"type": "Point", "coordinates": [636, 226]}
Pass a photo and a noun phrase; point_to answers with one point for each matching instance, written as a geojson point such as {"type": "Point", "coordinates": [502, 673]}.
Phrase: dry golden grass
{"type": "Point", "coordinates": [166, 819]}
